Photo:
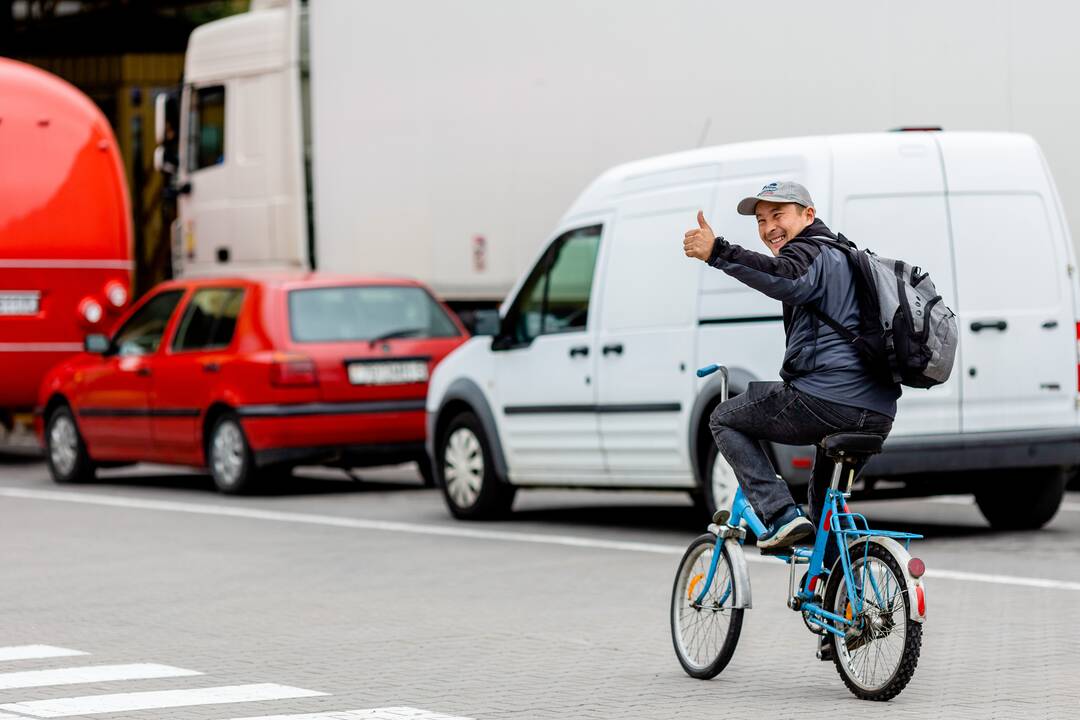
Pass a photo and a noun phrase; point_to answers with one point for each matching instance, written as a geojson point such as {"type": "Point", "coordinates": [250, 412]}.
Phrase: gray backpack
{"type": "Point", "coordinates": [906, 333]}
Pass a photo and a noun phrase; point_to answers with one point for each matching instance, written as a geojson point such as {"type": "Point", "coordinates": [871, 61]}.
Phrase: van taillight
{"type": "Point", "coordinates": [1078, 358]}
{"type": "Point", "coordinates": [292, 371]}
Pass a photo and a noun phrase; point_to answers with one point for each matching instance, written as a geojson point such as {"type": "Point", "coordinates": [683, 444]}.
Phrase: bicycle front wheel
{"type": "Point", "coordinates": [704, 629]}
{"type": "Point", "coordinates": [877, 657]}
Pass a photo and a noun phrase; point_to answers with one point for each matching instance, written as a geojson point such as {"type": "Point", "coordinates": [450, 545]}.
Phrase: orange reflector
{"type": "Point", "coordinates": [693, 584]}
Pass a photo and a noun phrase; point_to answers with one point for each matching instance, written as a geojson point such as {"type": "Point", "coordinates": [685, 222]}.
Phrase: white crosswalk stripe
{"type": "Point", "coordinates": [89, 674]}
{"type": "Point", "coordinates": [35, 652]}
{"type": "Point", "coordinates": [389, 713]}
{"type": "Point", "coordinates": [157, 699]}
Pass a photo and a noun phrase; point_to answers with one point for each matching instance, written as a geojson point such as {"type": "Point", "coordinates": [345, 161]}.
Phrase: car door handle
{"type": "Point", "coordinates": [211, 367]}
{"type": "Point", "coordinates": [143, 371]}
{"type": "Point", "coordinates": [989, 325]}
{"type": "Point", "coordinates": [582, 350]}
{"type": "Point", "coordinates": [616, 349]}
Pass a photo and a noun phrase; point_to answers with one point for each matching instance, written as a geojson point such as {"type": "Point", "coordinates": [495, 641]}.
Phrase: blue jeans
{"type": "Point", "coordinates": [777, 412]}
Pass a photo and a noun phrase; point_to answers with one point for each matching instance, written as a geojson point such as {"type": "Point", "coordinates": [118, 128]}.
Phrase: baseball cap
{"type": "Point", "coordinates": [777, 192]}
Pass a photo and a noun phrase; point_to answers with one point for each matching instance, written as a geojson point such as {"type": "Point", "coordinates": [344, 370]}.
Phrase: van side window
{"type": "Point", "coordinates": [209, 319]}
{"type": "Point", "coordinates": [556, 298]}
{"type": "Point", "coordinates": [206, 128]}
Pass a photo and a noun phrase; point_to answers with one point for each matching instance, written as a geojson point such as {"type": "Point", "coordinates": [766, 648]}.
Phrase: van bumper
{"type": "Point", "coordinates": [977, 451]}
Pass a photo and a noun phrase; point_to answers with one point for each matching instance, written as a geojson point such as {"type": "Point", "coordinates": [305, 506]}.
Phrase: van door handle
{"type": "Point", "coordinates": [211, 367]}
{"type": "Point", "coordinates": [582, 350]}
{"type": "Point", "coordinates": [989, 325]}
{"type": "Point", "coordinates": [616, 348]}
{"type": "Point", "coordinates": [1049, 324]}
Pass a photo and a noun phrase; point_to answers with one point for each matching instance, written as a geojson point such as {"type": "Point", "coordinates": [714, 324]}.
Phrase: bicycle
{"type": "Point", "coordinates": [874, 602]}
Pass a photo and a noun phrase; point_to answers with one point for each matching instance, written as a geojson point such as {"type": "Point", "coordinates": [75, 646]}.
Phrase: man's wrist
{"type": "Point", "coordinates": [718, 246]}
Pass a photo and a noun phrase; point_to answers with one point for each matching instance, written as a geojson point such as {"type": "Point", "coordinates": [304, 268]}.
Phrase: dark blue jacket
{"type": "Point", "coordinates": [817, 360]}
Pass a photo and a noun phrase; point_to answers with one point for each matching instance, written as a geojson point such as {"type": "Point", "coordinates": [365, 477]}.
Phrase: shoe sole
{"type": "Point", "coordinates": [788, 536]}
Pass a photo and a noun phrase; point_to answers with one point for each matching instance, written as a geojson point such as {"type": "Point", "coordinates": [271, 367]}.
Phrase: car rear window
{"type": "Point", "coordinates": [369, 312]}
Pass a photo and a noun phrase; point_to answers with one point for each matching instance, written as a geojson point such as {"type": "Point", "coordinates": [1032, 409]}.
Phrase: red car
{"type": "Point", "coordinates": [251, 376]}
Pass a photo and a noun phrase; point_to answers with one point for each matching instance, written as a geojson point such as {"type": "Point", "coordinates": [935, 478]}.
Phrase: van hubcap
{"type": "Point", "coordinates": [724, 483]}
{"type": "Point", "coordinates": [463, 467]}
{"type": "Point", "coordinates": [63, 445]}
{"type": "Point", "coordinates": [227, 454]}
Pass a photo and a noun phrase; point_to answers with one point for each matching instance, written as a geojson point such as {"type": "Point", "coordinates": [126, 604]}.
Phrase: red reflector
{"type": "Point", "coordinates": [292, 371]}
{"type": "Point", "coordinates": [916, 567]}
{"type": "Point", "coordinates": [802, 463]}
{"type": "Point", "coordinates": [921, 600]}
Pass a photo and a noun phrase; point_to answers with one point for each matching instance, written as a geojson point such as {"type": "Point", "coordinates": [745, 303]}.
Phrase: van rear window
{"type": "Point", "coordinates": [367, 312]}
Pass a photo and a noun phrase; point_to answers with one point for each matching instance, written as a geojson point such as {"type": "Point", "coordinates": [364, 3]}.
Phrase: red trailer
{"type": "Point", "coordinates": [65, 229]}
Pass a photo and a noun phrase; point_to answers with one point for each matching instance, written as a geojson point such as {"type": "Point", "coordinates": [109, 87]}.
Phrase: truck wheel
{"type": "Point", "coordinates": [1025, 505]}
{"type": "Point", "coordinates": [65, 450]}
{"type": "Point", "coordinates": [229, 456]}
{"type": "Point", "coordinates": [466, 473]}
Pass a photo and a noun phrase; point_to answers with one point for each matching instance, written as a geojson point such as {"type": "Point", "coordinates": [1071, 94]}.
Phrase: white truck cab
{"type": "Point", "coordinates": [590, 380]}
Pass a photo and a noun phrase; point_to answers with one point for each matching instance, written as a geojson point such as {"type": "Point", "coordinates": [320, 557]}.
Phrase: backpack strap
{"type": "Point", "coordinates": [836, 327]}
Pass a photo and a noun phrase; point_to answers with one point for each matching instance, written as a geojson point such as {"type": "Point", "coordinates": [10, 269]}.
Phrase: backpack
{"type": "Point", "coordinates": [906, 334]}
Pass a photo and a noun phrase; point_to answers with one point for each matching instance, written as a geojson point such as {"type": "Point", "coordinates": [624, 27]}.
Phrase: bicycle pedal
{"type": "Point", "coordinates": [782, 551]}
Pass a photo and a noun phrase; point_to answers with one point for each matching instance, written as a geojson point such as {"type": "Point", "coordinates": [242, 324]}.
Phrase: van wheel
{"type": "Point", "coordinates": [1027, 505]}
{"type": "Point", "coordinates": [466, 473]}
{"type": "Point", "coordinates": [719, 484]}
{"type": "Point", "coordinates": [229, 456]}
{"type": "Point", "coordinates": [65, 451]}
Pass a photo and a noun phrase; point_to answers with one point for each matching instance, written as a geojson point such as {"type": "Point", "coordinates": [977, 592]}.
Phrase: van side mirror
{"type": "Point", "coordinates": [485, 322]}
{"type": "Point", "coordinates": [96, 343]}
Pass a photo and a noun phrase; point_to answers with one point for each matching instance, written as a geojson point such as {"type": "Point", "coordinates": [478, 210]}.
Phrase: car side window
{"type": "Point", "coordinates": [555, 299]}
{"type": "Point", "coordinates": [142, 333]}
{"type": "Point", "coordinates": [209, 320]}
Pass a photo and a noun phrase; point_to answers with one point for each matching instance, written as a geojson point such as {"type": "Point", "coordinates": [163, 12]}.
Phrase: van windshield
{"type": "Point", "coordinates": [366, 313]}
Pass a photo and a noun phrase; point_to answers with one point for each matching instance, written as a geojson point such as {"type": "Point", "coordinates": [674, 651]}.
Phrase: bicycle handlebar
{"type": "Point", "coordinates": [707, 370]}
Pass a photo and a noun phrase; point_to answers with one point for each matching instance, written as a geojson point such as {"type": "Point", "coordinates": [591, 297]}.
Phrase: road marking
{"type": "Point", "coordinates": [390, 713]}
{"type": "Point", "coordinates": [970, 500]}
{"type": "Point", "coordinates": [122, 501]}
{"type": "Point", "coordinates": [127, 702]}
{"type": "Point", "coordinates": [35, 652]}
{"type": "Point", "coordinates": [89, 674]}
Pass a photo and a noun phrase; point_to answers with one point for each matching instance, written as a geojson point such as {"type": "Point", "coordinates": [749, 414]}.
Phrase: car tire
{"type": "Point", "coordinates": [229, 457]}
{"type": "Point", "coordinates": [466, 472]}
{"type": "Point", "coordinates": [65, 451]}
{"type": "Point", "coordinates": [1027, 505]}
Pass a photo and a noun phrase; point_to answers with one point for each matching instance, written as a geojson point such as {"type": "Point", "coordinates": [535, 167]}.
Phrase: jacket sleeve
{"type": "Point", "coordinates": [794, 277]}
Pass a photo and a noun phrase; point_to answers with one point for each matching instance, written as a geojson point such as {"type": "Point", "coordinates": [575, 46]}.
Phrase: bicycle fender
{"type": "Point", "coordinates": [740, 574]}
{"type": "Point", "coordinates": [916, 586]}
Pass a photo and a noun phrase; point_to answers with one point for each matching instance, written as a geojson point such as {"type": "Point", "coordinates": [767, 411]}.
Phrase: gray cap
{"type": "Point", "coordinates": [777, 192]}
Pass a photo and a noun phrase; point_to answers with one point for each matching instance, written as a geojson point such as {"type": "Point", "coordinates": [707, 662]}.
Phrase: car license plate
{"type": "Point", "coordinates": [388, 373]}
{"type": "Point", "coordinates": [19, 303]}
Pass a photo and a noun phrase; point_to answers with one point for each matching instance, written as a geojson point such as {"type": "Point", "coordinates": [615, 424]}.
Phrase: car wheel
{"type": "Point", "coordinates": [229, 457]}
{"type": "Point", "coordinates": [719, 484]}
{"type": "Point", "coordinates": [467, 475]}
{"type": "Point", "coordinates": [1028, 505]}
{"type": "Point", "coordinates": [65, 451]}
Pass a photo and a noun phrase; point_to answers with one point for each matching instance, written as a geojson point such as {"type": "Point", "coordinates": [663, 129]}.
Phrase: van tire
{"type": "Point", "coordinates": [726, 482]}
{"type": "Point", "coordinates": [473, 491]}
{"type": "Point", "coordinates": [1027, 505]}
{"type": "Point", "coordinates": [65, 450]}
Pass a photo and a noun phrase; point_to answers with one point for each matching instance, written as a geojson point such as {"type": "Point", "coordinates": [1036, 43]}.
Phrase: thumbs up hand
{"type": "Point", "coordinates": [698, 243]}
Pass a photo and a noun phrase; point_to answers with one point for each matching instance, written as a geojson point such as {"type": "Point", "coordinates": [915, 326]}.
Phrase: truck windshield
{"type": "Point", "coordinates": [371, 313]}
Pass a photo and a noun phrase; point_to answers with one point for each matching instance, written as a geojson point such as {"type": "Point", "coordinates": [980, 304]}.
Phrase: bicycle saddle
{"type": "Point", "coordinates": [852, 443]}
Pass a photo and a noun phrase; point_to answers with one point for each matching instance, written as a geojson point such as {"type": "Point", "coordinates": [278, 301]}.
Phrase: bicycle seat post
{"type": "Point", "coordinates": [846, 449]}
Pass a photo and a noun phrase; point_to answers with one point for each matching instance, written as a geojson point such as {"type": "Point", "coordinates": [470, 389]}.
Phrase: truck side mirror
{"type": "Point", "coordinates": [96, 343]}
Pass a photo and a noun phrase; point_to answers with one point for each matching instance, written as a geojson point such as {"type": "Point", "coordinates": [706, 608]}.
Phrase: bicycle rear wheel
{"type": "Point", "coordinates": [877, 658]}
{"type": "Point", "coordinates": [704, 633]}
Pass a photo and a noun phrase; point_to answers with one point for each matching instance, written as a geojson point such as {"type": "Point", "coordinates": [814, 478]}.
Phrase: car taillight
{"type": "Point", "coordinates": [292, 371]}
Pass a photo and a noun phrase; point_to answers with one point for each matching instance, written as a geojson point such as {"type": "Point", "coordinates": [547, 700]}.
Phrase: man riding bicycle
{"type": "Point", "coordinates": [826, 386]}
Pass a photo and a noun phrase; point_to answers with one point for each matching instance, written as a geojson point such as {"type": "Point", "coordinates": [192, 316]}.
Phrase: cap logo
{"type": "Point", "coordinates": [770, 189]}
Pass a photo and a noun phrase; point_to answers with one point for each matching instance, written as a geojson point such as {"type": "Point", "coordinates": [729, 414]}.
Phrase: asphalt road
{"type": "Point", "coordinates": [348, 599]}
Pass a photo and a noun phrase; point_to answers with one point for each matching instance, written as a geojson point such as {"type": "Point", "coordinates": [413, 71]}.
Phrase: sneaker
{"type": "Point", "coordinates": [824, 648]}
{"type": "Point", "coordinates": [786, 530]}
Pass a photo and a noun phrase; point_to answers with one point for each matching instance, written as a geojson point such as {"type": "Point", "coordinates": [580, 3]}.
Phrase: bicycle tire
{"type": "Point", "coordinates": [852, 655]}
{"type": "Point", "coordinates": [718, 631]}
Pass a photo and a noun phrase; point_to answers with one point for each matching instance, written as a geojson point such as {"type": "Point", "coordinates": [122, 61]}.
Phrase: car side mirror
{"type": "Point", "coordinates": [485, 322]}
{"type": "Point", "coordinates": [96, 343]}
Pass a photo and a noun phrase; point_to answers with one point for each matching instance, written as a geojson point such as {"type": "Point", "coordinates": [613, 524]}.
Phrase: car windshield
{"type": "Point", "coordinates": [371, 313]}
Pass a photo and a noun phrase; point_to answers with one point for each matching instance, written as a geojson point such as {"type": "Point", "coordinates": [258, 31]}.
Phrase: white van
{"type": "Point", "coordinates": [590, 380]}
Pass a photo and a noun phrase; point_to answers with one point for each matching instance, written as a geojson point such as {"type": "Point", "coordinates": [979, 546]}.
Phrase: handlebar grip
{"type": "Point", "coordinates": [707, 370]}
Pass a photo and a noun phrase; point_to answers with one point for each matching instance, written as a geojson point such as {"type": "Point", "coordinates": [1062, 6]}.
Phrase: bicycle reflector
{"type": "Point", "coordinates": [916, 567]}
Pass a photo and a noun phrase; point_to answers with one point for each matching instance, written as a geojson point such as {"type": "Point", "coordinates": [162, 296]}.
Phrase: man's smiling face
{"type": "Point", "coordinates": [779, 222]}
